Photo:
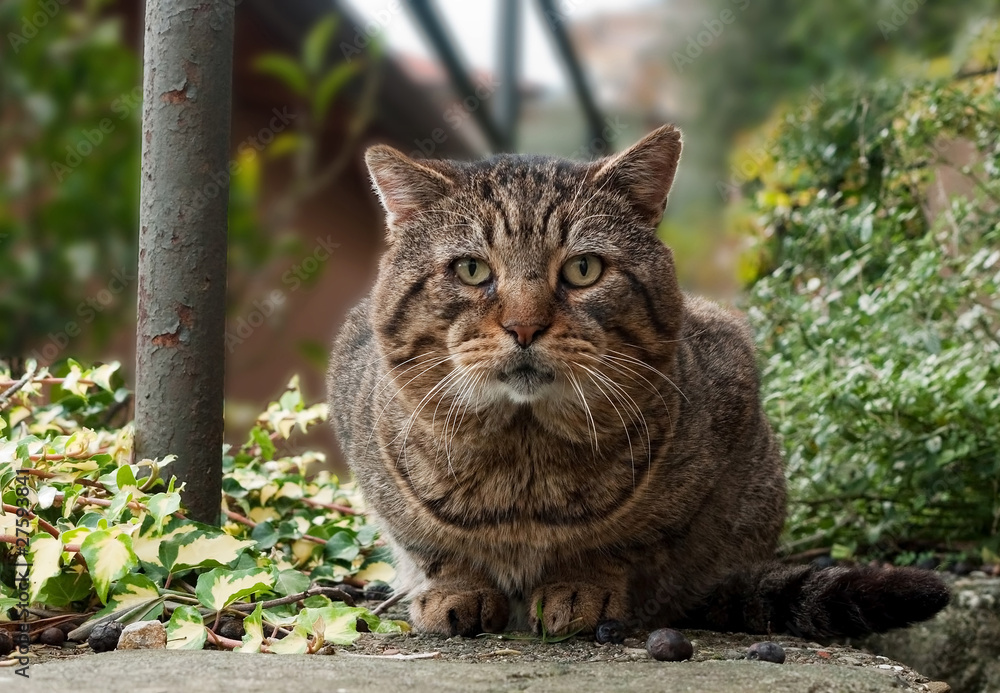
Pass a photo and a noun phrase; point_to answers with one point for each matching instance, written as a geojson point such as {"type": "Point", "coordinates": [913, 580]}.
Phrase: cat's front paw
{"type": "Point", "coordinates": [574, 606]}
{"type": "Point", "coordinates": [462, 612]}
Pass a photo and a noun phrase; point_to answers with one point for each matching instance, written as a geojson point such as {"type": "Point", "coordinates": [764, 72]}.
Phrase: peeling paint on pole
{"type": "Point", "coordinates": [180, 356]}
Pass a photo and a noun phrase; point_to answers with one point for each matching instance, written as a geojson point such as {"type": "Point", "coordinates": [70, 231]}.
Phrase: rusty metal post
{"type": "Point", "coordinates": [180, 356]}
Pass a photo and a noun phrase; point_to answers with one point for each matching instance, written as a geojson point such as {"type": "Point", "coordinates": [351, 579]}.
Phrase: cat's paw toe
{"type": "Point", "coordinates": [574, 606]}
{"type": "Point", "coordinates": [464, 612]}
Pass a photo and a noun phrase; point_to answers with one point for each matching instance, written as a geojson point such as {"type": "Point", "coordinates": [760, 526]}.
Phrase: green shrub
{"type": "Point", "coordinates": [879, 320]}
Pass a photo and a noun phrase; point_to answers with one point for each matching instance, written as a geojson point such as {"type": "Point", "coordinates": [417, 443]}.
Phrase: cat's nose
{"type": "Point", "coordinates": [525, 334]}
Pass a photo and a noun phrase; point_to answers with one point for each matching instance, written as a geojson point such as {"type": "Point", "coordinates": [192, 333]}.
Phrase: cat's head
{"type": "Point", "coordinates": [525, 279]}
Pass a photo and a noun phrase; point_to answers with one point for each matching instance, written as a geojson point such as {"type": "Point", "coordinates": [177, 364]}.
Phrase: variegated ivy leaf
{"type": "Point", "coordinates": [46, 496]}
{"type": "Point", "coordinates": [337, 622]}
{"type": "Point", "coordinates": [296, 642]}
{"type": "Point", "coordinates": [220, 587]}
{"type": "Point", "coordinates": [102, 375]}
{"type": "Point", "coordinates": [186, 629]}
{"type": "Point", "coordinates": [131, 591]}
{"type": "Point", "coordinates": [147, 545]}
{"type": "Point", "coordinates": [253, 631]}
{"type": "Point", "coordinates": [119, 502]}
{"type": "Point", "coordinates": [45, 557]}
{"type": "Point", "coordinates": [201, 549]}
{"type": "Point", "coordinates": [109, 557]}
{"type": "Point", "coordinates": [379, 570]}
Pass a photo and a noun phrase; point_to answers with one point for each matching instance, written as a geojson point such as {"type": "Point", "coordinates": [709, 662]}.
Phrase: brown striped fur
{"type": "Point", "coordinates": [619, 466]}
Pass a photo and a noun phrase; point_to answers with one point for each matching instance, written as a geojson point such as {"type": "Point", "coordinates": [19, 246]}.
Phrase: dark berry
{"type": "Point", "coordinates": [668, 645]}
{"type": "Point", "coordinates": [6, 643]}
{"type": "Point", "coordinates": [962, 568]}
{"type": "Point", "coordinates": [824, 562]}
{"type": "Point", "coordinates": [377, 591]}
{"type": "Point", "coordinates": [231, 628]}
{"type": "Point", "coordinates": [52, 636]}
{"type": "Point", "coordinates": [104, 637]}
{"type": "Point", "coordinates": [767, 652]}
{"type": "Point", "coordinates": [610, 631]}
{"type": "Point", "coordinates": [362, 626]}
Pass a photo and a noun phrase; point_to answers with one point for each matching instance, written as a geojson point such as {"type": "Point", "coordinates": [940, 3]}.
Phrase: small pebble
{"type": "Point", "coordinates": [610, 631]}
{"type": "Point", "coordinates": [52, 636]}
{"type": "Point", "coordinates": [143, 635]}
{"type": "Point", "coordinates": [104, 638]}
{"type": "Point", "coordinates": [668, 645]}
{"type": "Point", "coordinates": [231, 628]}
{"type": "Point", "coordinates": [767, 652]}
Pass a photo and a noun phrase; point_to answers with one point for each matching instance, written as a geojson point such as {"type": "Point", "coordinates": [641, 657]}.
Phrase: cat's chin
{"type": "Point", "coordinates": [526, 383]}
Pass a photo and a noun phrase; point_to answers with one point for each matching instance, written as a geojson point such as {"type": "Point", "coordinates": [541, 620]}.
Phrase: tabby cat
{"type": "Point", "coordinates": [550, 433]}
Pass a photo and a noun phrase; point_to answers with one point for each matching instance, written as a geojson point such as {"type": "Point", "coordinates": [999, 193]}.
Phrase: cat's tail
{"type": "Point", "coordinates": [816, 603]}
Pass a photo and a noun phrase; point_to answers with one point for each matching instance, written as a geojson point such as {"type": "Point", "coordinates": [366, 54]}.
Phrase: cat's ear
{"type": "Point", "coordinates": [645, 171]}
{"type": "Point", "coordinates": [405, 186]}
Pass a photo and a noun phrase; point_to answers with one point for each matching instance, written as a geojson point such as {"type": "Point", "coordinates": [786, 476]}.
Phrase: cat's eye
{"type": "Point", "coordinates": [472, 271]}
{"type": "Point", "coordinates": [582, 270]}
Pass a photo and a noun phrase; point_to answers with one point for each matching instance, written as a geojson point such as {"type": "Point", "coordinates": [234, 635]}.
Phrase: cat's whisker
{"type": "Point", "coordinates": [634, 378]}
{"type": "Point", "coordinates": [389, 372]}
{"type": "Point", "coordinates": [629, 402]}
{"type": "Point", "coordinates": [640, 362]}
{"type": "Point", "coordinates": [473, 387]}
{"type": "Point", "coordinates": [628, 437]}
{"type": "Point", "coordinates": [595, 448]}
{"type": "Point", "coordinates": [443, 382]}
{"type": "Point", "coordinates": [436, 362]}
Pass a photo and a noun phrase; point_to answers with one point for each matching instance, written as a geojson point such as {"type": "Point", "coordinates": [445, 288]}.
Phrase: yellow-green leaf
{"type": "Point", "coordinates": [317, 42]}
{"type": "Point", "coordinates": [45, 554]}
{"type": "Point", "coordinates": [296, 642]}
{"type": "Point", "coordinates": [109, 557]}
{"type": "Point", "coordinates": [253, 631]}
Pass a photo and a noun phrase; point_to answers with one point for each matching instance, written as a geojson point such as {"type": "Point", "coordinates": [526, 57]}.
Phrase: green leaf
{"type": "Point", "coordinates": [220, 587]}
{"type": "Point", "coordinates": [253, 631]}
{"type": "Point", "coordinates": [296, 642]}
{"type": "Point", "coordinates": [69, 586]}
{"type": "Point", "coordinates": [290, 581]}
{"type": "Point", "coordinates": [285, 70]}
{"type": "Point", "coordinates": [161, 506]}
{"type": "Point", "coordinates": [129, 592]}
{"type": "Point", "coordinates": [330, 86]}
{"type": "Point", "coordinates": [342, 546]}
{"type": "Point", "coordinates": [109, 557]}
{"type": "Point", "coordinates": [317, 43]}
{"type": "Point", "coordinates": [263, 440]}
{"type": "Point", "coordinates": [186, 629]}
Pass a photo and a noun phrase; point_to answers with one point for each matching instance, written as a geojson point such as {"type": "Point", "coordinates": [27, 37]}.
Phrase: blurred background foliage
{"type": "Point", "coordinates": [840, 184]}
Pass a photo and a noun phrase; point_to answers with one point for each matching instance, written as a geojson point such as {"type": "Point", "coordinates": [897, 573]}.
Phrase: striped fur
{"type": "Point", "coordinates": [620, 466]}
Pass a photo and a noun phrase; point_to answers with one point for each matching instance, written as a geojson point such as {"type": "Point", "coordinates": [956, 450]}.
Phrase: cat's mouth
{"type": "Point", "coordinates": [526, 380]}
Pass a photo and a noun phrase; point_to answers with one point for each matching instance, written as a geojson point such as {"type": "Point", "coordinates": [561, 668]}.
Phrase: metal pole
{"type": "Point", "coordinates": [180, 357]}
{"type": "Point", "coordinates": [508, 96]}
{"type": "Point", "coordinates": [564, 46]}
{"type": "Point", "coordinates": [427, 17]}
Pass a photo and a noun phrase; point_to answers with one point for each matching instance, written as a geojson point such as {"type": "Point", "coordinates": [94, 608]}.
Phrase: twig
{"type": "Point", "coordinates": [343, 509]}
{"type": "Point", "coordinates": [242, 519]}
{"type": "Point", "coordinates": [11, 539]}
{"type": "Point", "coordinates": [32, 516]}
{"type": "Point", "coordinates": [391, 601]}
{"type": "Point", "coordinates": [292, 598]}
{"type": "Point", "coordinates": [14, 386]}
{"type": "Point", "coordinates": [420, 655]}
{"type": "Point", "coordinates": [52, 475]}
{"type": "Point", "coordinates": [220, 641]}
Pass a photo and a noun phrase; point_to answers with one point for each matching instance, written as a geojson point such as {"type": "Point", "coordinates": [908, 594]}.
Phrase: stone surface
{"type": "Point", "coordinates": [961, 645]}
{"type": "Point", "coordinates": [143, 635]}
{"type": "Point", "coordinates": [178, 671]}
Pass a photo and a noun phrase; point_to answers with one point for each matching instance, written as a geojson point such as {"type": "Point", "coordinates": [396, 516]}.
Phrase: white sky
{"type": "Point", "coordinates": [474, 26]}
